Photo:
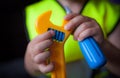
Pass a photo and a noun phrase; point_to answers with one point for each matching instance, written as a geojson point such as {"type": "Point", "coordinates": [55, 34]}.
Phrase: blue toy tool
{"type": "Point", "coordinates": [91, 51]}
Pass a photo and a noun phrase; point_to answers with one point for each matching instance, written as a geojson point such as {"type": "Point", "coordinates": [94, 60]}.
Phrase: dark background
{"type": "Point", "coordinates": [13, 38]}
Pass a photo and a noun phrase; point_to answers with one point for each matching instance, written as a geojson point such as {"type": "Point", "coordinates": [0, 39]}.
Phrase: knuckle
{"type": "Point", "coordinates": [84, 25]}
{"type": "Point", "coordinates": [37, 59]}
{"type": "Point", "coordinates": [44, 71]}
{"type": "Point", "coordinates": [49, 41]}
{"type": "Point", "coordinates": [80, 16]}
{"type": "Point", "coordinates": [89, 32]}
{"type": "Point", "coordinates": [72, 22]}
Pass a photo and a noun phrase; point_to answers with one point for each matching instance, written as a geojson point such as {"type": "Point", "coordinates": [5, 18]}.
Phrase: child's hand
{"type": "Point", "coordinates": [38, 53]}
{"type": "Point", "coordinates": [84, 27]}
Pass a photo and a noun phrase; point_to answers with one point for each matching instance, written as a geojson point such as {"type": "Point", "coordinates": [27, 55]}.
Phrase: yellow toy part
{"type": "Point", "coordinates": [43, 24]}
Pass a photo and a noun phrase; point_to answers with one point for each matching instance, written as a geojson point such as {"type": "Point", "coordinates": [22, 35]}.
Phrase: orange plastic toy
{"type": "Point", "coordinates": [43, 24]}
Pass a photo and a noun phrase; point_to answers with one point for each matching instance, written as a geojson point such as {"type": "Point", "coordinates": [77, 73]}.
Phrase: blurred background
{"type": "Point", "coordinates": [13, 38]}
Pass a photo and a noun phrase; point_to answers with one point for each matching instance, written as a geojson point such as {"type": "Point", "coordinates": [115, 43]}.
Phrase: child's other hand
{"type": "Point", "coordinates": [38, 53]}
{"type": "Point", "coordinates": [84, 27]}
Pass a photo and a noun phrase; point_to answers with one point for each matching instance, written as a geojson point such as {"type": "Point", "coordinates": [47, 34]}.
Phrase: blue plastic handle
{"type": "Point", "coordinates": [92, 53]}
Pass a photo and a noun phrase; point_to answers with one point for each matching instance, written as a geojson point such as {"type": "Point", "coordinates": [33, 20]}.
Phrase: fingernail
{"type": "Point", "coordinates": [66, 28]}
{"type": "Point", "coordinates": [52, 32]}
{"type": "Point", "coordinates": [79, 39]}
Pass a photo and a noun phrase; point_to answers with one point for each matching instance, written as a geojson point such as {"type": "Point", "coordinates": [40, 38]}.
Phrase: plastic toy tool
{"type": "Point", "coordinates": [43, 25]}
{"type": "Point", "coordinates": [91, 51]}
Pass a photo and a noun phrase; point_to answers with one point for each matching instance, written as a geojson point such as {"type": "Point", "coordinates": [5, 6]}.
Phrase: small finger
{"type": "Point", "coordinates": [75, 22]}
{"type": "Point", "coordinates": [86, 33]}
{"type": "Point", "coordinates": [44, 45]}
{"type": "Point", "coordinates": [49, 34]}
{"type": "Point", "coordinates": [41, 57]}
{"type": "Point", "coordinates": [70, 16]}
{"type": "Point", "coordinates": [40, 47]}
{"type": "Point", "coordinates": [81, 28]}
{"type": "Point", "coordinates": [46, 68]}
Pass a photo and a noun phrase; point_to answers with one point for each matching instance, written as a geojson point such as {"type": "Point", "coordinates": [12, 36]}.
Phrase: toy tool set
{"type": "Point", "coordinates": [90, 49]}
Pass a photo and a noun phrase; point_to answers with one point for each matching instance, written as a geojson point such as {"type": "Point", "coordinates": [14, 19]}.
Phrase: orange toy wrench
{"type": "Point", "coordinates": [43, 24]}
